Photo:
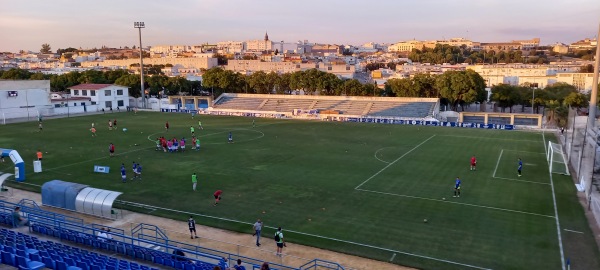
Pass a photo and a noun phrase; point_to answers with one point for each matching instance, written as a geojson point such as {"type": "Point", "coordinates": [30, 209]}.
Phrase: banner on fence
{"type": "Point", "coordinates": [379, 120]}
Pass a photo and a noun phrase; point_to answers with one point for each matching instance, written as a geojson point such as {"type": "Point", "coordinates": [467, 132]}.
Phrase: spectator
{"type": "Point", "coordinates": [265, 266]}
{"type": "Point", "coordinates": [223, 263]}
{"type": "Point", "coordinates": [18, 220]}
{"type": "Point", "coordinates": [178, 255]}
{"type": "Point", "coordinates": [239, 265]}
{"type": "Point", "coordinates": [102, 236]}
{"type": "Point", "coordinates": [108, 235]}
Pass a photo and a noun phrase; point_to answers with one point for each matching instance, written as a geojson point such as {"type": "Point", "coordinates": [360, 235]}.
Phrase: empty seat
{"type": "Point", "coordinates": [24, 263]}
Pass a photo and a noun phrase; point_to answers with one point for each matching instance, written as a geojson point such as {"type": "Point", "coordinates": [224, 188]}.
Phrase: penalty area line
{"type": "Point", "coordinates": [459, 203]}
{"type": "Point", "coordinates": [518, 180]}
{"type": "Point", "coordinates": [322, 237]}
{"type": "Point", "coordinates": [393, 162]}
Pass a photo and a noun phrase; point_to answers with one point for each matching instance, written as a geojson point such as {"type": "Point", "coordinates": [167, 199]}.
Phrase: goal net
{"type": "Point", "coordinates": [557, 159]}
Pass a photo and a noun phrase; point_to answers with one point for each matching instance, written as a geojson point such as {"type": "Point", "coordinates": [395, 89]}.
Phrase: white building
{"type": "Point", "coordinates": [24, 99]}
{"type": "Point", "coordinates": [230, 47]}
{"type": "Point", "coordinates": [106, 96]}
{"type": "Point", "coordinates": [259, 45]}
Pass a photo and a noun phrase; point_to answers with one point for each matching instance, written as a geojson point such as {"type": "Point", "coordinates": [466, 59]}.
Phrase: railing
{"type": "Point", "coordinates": [321, 264]}
{"type": "Point", "coordinates": [159, 235]}
{"type": "Point", "coordinates": [154, 238]}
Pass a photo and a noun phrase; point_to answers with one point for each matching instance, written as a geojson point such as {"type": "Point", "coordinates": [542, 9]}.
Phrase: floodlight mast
{"type": "Point", "coordinates": [139, 26]}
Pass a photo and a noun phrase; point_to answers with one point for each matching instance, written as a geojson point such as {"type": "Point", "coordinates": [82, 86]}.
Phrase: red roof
{"type": "Point", "coordinates": [90, 86]}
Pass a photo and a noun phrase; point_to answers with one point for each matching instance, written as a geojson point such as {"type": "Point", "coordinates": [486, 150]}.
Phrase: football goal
{"type": "Point", "coordinates": [557, 161]}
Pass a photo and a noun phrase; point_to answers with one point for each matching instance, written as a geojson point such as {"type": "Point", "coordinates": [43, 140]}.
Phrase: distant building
{"type": "Point", "coordinates": [24, 99]}
{"type": "Point", "coordinates": [560, 48]}
{"type": "Point", "coordinates": [251, 66]}
{"type": "Point", "coordinates": [583, 81]}
{"type": "Point", "coordinates": [230, 47]}
{"type": "Point", "coordinates": [406, 46]}
{"type": "Point", "coordinates": [191, 62]}
{"type": "Point", "coordinates": [528, 44]}
{"type": "Point", "coordinates": [106, 96]}
{"type": "Point", "coordinates": [502, 46]}
{"type": "Point", "coordinates": [585, 44]}
{"type": "Point", "coordinates": [327, 49]}
{"type": "Point", "coordinates": [259, 45]}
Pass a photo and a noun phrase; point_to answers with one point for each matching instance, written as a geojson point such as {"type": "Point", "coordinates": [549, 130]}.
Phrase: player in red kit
{"type": "Point", "coordinates": [473, 163]}
{"type": "Point", "coordinates": [217, 196]}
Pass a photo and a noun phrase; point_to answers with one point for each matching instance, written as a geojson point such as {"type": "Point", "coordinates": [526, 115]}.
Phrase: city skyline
{"type": "Point", "coordinates": [66, 23]}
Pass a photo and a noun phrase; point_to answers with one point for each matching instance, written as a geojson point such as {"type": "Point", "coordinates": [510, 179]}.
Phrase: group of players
{"type": "Point", "coordinates": [137, 172]}
{"type": "Point", "coordinates": [174, 145]}
{"type": "Point", "coordinates": [458, 182]}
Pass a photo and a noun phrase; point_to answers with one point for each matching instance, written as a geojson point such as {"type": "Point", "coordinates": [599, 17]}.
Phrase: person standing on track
{"type": "Point", "coordinates": [279, 241]}
{"type": "Point", "coordinates": [192, 227]}
{"type": "Point", "coordinates": [257, 229]}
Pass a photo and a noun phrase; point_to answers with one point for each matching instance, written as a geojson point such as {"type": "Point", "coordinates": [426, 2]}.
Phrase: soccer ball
{"type": "Point", "coordinates": [425, 221]}
{"type": "Point", "coordinates": [124, 130]}
{"type": "Point", "coordinates": [443, 199]}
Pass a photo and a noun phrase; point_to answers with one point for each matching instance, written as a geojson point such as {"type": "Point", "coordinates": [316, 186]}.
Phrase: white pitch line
{"type": "Point", "coordinates": [562, 254]}
{"type": "Point", "coordinates": [489, 138]}
{"type": "Point", "coordinates": [510, 150]}
{"type": "Point", "coordinates": [375, 155]}
{"type": "Point", "coordinates": [392, 163]}
{"type": "Point", "coordinates": [498, 162]}
{"type": "Point", "coordinates": [327, 238]}
{"type": "Point", "coordinates": [519, 180]}
{"type": "Point", "coordinates": [573, 231]}
{"type": "Point", "coordinates": [446, 201]}
{"type": "Point", "coordinates": [100, 158]}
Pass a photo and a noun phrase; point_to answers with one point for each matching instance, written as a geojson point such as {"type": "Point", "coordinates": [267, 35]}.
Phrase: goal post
{"type": "Point", "coordinates": [557, 161]}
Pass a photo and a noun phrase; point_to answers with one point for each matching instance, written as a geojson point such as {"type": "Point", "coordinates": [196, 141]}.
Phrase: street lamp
{"type": "Point", "coordinates": [533, 101]}
{"type": "Point", "coordinates": [139, 26]}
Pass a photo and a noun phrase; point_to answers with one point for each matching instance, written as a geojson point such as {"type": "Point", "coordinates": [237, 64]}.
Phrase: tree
{"type": "Point", "coordinates": [461, 87]}
{"type": "Point", "coordinates": [16, 74]}
{"type": "Point", "coordinates": [506, 96]}
{"type": "Point", "coordinates": [46, 48]}
{"type": "Point", "coordinates": [576, 100]}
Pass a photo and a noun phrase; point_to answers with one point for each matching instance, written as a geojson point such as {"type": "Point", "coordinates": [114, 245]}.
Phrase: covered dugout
{"type": "Point", "coordinates": [78, 197]}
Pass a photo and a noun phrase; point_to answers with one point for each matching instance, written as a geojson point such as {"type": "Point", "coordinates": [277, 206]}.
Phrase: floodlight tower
{"type": "Point", "coordinates": [139, 26]}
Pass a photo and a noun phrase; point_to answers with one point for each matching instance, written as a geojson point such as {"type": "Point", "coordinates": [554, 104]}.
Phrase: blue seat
{"type": "Point", "coordinates": [24, 263]}
{"type": "Point", "coordinates": [83, 265]}
{"type": "Point", "coordinates": [48, 262]}
{"type": "Point", "coordinates": [7, 258]}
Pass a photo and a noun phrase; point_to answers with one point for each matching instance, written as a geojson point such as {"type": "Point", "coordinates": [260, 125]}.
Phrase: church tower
{"type": "Point", "coordinates": [266, 36]}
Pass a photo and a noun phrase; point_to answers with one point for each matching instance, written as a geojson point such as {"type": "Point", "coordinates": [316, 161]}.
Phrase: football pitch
{"type": "Point", "coordinates": [362, 189]}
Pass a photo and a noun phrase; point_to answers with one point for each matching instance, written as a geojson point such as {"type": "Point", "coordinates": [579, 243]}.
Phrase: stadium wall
{"type": "Point", "coordinates": [347, 118]}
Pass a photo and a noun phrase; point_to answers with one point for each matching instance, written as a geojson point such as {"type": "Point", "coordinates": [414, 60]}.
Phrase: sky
{"type": "Point", "coordinates": [26, 25]}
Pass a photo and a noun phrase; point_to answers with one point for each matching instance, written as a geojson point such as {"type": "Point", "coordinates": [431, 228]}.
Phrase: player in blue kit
{"type": "Point", "coordinates": [123, 173]}
{"type": "Point", "coordinates": [457, 187]}
{"type": "Point", "coordinates": [520, 167]}
{"type": "Point", "coordinates": [230, 138]}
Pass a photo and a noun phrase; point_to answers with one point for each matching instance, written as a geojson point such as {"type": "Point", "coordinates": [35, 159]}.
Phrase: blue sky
{"type": "Point", "coordinates": [87, 24]}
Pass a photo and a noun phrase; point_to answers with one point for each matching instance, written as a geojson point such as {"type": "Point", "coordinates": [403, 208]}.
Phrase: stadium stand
{"type": "Point", "coordinates": [82, 248]}
{"type": "Point", "coordinates": [414, 108]}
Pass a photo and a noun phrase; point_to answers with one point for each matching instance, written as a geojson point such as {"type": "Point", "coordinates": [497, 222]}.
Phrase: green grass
{"type": "Point", "coordinates": [304, 175]}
